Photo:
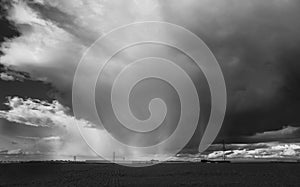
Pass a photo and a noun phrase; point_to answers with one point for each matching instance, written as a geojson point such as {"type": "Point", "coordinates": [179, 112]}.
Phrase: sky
{"type": "Point", "coordinates": [256, 43]}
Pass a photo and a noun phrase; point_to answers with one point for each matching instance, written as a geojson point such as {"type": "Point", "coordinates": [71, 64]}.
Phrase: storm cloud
{"type": "Point", "coordinates": [256, 43]}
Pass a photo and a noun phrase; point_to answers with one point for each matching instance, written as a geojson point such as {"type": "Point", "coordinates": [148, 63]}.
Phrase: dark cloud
{"type": "Point", "coordinates": [9, 74]}
{"type": "Point", "coordinates": [26, 89]}
{"type": "Point", "coordinates": [257, 45]}
{"type": "Point", "coordinates": [13, 129]}
{"type": "Point", "coordinates": [286, 134]}
{"type": "Point", "coordinates": [8, 29]}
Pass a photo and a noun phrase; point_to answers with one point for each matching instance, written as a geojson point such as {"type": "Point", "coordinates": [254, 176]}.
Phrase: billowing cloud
{"type": "Point", "coordinates": [256, 43]}
{"type": "Point", "coordinates": [55, 34]}
{"type": "Point", "coordinates": [273, 150]}
{"type": "Point", "coordinates": [9, 74]}
{"type": "Point", "coordinates": [6, 77]}
{"type": "Point", "coordinates": [37, 113]}
{"type": "Point", "coordinates": [51, 117]}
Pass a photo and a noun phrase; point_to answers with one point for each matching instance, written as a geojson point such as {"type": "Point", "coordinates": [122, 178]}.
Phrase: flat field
{"type": "Point", "coordinates": [167, 174]}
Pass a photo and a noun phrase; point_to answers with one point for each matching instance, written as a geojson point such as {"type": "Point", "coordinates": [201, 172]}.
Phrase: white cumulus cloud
{"type": "Point", "coordinates": [67, 141]}
{"type": "Point", "coordinates": [6, 77]}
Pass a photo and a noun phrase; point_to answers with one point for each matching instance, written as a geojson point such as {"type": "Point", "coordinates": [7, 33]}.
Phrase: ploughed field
{"type": "Point", "coordinates": [167, 174]}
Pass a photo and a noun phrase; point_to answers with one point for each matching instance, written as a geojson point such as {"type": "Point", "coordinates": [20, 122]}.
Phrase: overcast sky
{"type": "Point", "coordinates": [256, 43]}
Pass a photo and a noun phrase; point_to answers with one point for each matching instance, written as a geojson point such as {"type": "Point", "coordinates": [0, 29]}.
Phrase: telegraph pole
{"type": "Point", "coordinates": [114, 156]}
{"type": "Point", "coordinates": [224, 149]}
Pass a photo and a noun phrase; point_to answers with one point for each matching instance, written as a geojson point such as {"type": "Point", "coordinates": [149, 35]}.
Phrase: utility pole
{"type": "Point", "coordinates": [114, 156]}
{"type": "Point", "coordinates": [224, 149]}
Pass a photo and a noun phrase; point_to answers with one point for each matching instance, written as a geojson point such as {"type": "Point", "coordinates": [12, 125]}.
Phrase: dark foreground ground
{"type": "Point", "coordinates": [175, 174]}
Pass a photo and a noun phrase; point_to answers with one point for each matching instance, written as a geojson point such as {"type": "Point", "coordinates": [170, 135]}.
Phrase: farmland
{"type": "Point", "coordinates": [168, 174]}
